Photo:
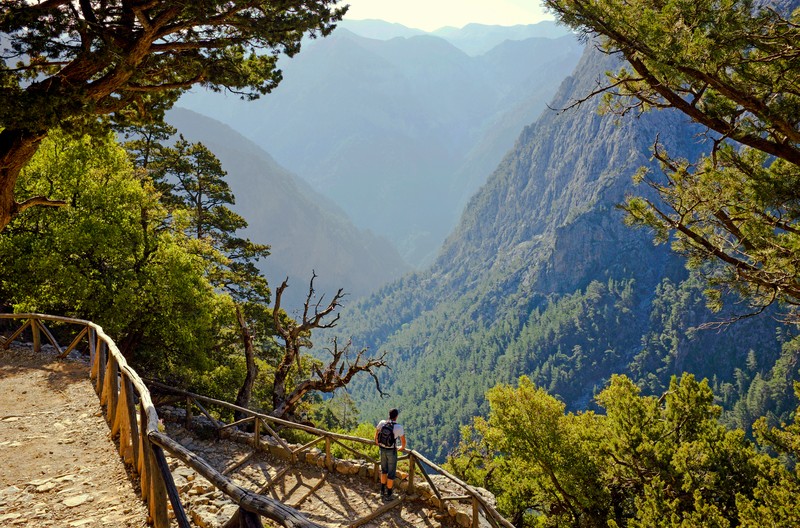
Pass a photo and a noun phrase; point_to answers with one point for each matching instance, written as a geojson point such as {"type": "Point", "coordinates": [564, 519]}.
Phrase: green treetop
{"type": "Point", "coordinates": [649, 461]}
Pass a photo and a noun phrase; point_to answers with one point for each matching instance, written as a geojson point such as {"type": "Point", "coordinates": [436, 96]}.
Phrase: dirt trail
{"type": "Point", "coordinates": [58, 465]}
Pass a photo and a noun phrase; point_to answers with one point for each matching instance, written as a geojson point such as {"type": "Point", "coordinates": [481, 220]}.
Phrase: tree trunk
{"type": "Point", "coordinates": [17, 147]}
{"type": "Point", "coordinates": [281, 376]}
{"type": "Point", "coordinates": [246, 390]}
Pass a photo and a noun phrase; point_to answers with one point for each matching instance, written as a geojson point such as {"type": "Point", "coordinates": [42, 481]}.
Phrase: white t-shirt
{"type": "Point", "coordinates": [398, 431]}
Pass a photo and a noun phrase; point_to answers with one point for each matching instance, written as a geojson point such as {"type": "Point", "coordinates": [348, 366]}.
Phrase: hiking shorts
{"type": "Point", "coordinates": [389, 462]}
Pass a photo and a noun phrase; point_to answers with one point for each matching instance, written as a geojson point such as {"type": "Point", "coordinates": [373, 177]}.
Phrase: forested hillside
{"type": "Point", "coordinates": [542, 278]}
{"type": "Point", "coordinates": [608, 337]}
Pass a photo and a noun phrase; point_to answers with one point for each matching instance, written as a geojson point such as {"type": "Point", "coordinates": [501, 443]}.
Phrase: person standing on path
{"type": "Point", "coordinates": [387, 434]}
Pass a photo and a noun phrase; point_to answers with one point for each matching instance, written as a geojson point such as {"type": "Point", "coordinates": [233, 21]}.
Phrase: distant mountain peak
{"type": "Point", "coordinates": [474, 38]}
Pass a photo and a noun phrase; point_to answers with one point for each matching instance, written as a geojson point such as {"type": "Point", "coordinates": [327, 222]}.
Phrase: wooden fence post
{"type": "Point", "coordinates": [122, 421]}
{"type": "Point", "coordinates": [158, 491]}
{"type": "Point", "coordinates": [101, 365]}
{"type": "Point", "coordinates": [188, 423]}
{"type": "Point", "coordinates": [476, 521]}
{"type": "Point", "coordinates": [112, 382]}
{"type": "Point", "coordinates": [130, 407]}
{"type": "Point", "coordinates": [256, 432]}
{"type": "Point", "coordinates": [328, 457]}
{"type": "Point", "coordinates": [249, 519]}
{"type": "Point", "coordinates": [169, 485]}
{"type": "Point", "coordinates": [93, 354]}
{"type": "Point", "coordinates": [412, 468]}
{"type": "Point", "coordinates": [37, 337]}
{"type": "Point", "coordinates": [144, 454]}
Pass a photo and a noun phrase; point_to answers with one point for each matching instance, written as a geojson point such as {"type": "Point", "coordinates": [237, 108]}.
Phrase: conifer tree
{"type": "Point", "coordinates": [733, 67]}
{"type": "Point", "coordinates": [65, 63]}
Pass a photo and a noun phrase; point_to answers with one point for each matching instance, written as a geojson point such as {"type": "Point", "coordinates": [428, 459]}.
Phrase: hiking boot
{"type": "Point", "coordinates": [388, 496]}
{"type": "Point", "coordinates": [383, 491]}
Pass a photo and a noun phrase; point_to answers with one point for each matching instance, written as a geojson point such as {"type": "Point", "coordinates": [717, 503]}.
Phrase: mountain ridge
{"type": "Point", "coordinates": [474, 39]}
{"type": "Point", "coordinates": [306, 231]}
{"type": "Point", "coordinates": [387, 129]}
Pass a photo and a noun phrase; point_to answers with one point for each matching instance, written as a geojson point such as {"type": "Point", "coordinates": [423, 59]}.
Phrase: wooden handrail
{"type": "Point", "coordinates": [113, 389]}
{"type": "Point", "coordinates": [114, 379]}
{"type": "Point", "coordinates": [471, 491]}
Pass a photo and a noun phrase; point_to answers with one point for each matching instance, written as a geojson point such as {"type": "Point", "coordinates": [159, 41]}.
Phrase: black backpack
{"type": "Point", "coordinates": [386, 436]}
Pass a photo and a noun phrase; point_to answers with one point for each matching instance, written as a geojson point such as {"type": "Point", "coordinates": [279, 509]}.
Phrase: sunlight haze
{"type": "Point", "coordinates": [431, 15]}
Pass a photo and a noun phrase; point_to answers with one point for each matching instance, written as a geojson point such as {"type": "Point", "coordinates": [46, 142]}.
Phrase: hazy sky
{"type": "Point", "coordinates": [433, 14]}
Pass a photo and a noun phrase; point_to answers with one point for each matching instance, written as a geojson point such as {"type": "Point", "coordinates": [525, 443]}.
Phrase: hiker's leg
{"type": "Point", "coordinates": [384, 466]}
{"type": "Point", "coordinates": [391, 459]}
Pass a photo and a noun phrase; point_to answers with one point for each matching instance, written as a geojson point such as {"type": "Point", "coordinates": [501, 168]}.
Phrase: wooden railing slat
{"type": "Point", "coordinates": [377, 513]}
{"type": "Point", "coordinates": [307, 445]}
{"type": "Point", "coordinates": [49, 336]}
{"type": "Point", "coordinates": [356, 452]}
{"type": "Point", "coordinates": [74, 343]}
{"type": "Point", "coordinates": [237, 422]}
{"type": "Point", "coordinates": [169, 484]}
{"type": "Point", "coordinates": [251, 501]}
{"type": "Point", "coordinates": [16, 334]}
{"type": "Point", "coordinates": [432, 485]}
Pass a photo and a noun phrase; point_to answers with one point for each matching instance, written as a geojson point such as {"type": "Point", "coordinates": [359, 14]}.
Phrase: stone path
{"type": "Point", "coordinates": [58, 466]}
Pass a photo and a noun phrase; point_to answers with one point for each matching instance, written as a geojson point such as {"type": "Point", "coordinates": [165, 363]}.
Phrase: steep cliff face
{"type": "Point", "coordinates": [550, 203]}
{"type": "Point", "coordinates": [542, 278]}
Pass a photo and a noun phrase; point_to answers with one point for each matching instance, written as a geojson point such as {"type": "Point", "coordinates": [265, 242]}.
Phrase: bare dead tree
{"type": "Point", "coordinates": [297, 335]}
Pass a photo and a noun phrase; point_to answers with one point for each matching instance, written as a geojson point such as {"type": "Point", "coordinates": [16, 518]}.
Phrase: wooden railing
{"type": "Point", "coordinates": [416, 461]}
{"type": "Point", "coordinates": [131, 415]}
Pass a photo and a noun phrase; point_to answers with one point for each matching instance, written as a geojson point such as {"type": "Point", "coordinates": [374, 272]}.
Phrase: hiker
{"type": "Point", "coordinates": [387, 433]}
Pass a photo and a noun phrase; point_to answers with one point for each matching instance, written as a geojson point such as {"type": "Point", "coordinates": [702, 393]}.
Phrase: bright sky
{"type": "Point", "coordinates": [429, 15]}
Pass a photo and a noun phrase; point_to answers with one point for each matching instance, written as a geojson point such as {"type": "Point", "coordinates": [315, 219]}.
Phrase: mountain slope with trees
{"type": "Point", "coordinates": [731, 214]}
{"type": "Point", "coordinates": [542, 278]}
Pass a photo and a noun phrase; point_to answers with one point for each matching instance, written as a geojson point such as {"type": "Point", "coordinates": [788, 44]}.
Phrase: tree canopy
{"type": "Point", "coordinates": [649, 461]}
{"type": "Point", "coordinates": [733, 67]}
{"type": "Point", "coordinates": [65, 63]}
